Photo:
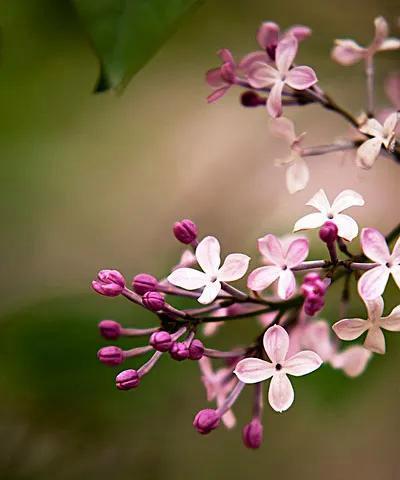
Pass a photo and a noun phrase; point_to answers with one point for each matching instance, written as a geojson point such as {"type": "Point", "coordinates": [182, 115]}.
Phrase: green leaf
{"type": "Point", "coordinates": [127, 33]}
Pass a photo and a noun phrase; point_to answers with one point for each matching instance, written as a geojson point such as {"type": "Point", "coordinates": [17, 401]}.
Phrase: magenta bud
{"type": "Point", "coordinates": [127, 379]}
{"type": "Point", "coordinates": [196, 349]}
{"type": "Point", "coordinates": [185, 231]}
{"type": "Point", "coordinates": [252, 434]}
{"type": "Point", "coordinates": [109, 329]}
{"type": "Point", "coordinates": [110, 356]}
{"type": "Point", "coordinates": [311, 277]}
{"type": "Point", "coordinates": [109, 283]}
{"type": "Point", "coordinates": [153, 301]}
{"type": "Point", "coordinates": [143, 282]}
{"type": "Point", "coordinates": [161, 341]}
{"type": "Point", "coordinates": [206, 420]}
{"type": "Point", "coordinates": [179, 351]}
{"type": "Point", "coordinates": [328, 232]}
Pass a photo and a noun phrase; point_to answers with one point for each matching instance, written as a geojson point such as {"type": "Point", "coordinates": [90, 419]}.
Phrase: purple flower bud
{"type": "Point", "coordinates": [206, 420]}
{"type": "Point", "coordinates": [179, 351]}
{"type": "Point", "coordinates": [252, 434]}
{"type": "Point", "coordinates": [161, 341]}
{"type": "Point", "coordinates": [185, 231]}
{"type": "Point", "coordinates": [143, 282]}
{"type": "Point", "coordinates": [251, 99]}
{"type": "Point", "coordinates": [127, 379]}
{"type": "Point", "coordinates": [110, 356]}
{"type": "Point", "coordinates": [109, 329]}
{"type": "Point", "coordinates": [196, 349]}
{"type": "Point", "coordinates": [109, 283]}
{"type": "Point", "coordinates": [328, 232]}
{"type": "Point", "coordinates": [153, 301]}
{"type": "Point", "coordinates": [311, 277]}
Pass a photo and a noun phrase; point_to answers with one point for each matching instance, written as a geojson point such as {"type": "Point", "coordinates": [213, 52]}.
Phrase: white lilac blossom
{"type": "Point", "coordinates": [347, 226]}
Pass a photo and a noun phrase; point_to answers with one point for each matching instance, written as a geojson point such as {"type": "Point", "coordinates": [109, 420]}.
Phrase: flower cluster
{"type": "Point", "coordinates": [292, 342]}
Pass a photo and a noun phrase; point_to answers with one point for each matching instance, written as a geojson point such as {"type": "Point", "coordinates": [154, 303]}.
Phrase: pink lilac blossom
{"type": "Point", "coordinates": [347, 227]}
{"type": "Point", "coordinates": [276, 345]}
{"type": "Point", "coordinates": [372, 284]}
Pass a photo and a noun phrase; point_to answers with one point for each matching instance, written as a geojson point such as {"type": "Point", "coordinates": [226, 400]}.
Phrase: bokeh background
{"type": "Point", "coordinates": [95, 181]}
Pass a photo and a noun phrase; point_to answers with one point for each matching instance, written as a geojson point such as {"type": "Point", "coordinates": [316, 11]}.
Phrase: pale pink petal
{"type": "Point", "coordinates": [395, 271]}
{"type": "Point", "coordinates": [210, 293]}
{"type": "Point", "coordinates": [301, 78]}
{"type": "Point", "coordinates": [316, 337]}
{"type": "Point", "coordinates": [312, 220]}
{"type": "Point", "coordinates": [274, 102]}
{"type": "Point", "coordinates": [213, 77]}
{"type": "Point", "coordinates": [262, 75]}
{"type": "Point", "coordinates": [374, 245]}
{"type": "Point", "coordinates": [375, 341]}
{"type": "Point", "coordinates": [270, 247]}
{"type": "Point", "coordinates": [234, 267]}
{"type": "Point", "coordinates": [372, 127]}
{"type": "Point", "coordinates": [348, 52]}
{"type": "Point", "coordinates": [262, 277]}
{"type": "Point", "coordinates": [347, 226]}
{"type": "Point", "coordinates": [392, 321]}
{"type": "Point", "coordinates": [187, 278]}
{"type": "Point", "coordinates": [210, 328]}
{"type": "Point", "coordinates": [390, 124]}
{"type": "Point", "coordinates": [284, 128]}
{"type": "Point", "coordinates": [395, 257]}
{"type": "Point", "coordinates": [320, 202]}
{"type": "Point", "coordinates": [368, 152]}
{"type": "Point", "coordinates": [297, 252]}
{"type": "Point", "coordinates": [302, 363]}
{"type": "Point", "coordinates": [350, 328]}
{"type": "Point", "coordinates": [217, 94]}
{"type": "Point", "coordinates": [375, 309]}
{"type": "Point", "coordinates": [286, 53]}
{"type": "Point", "coordinates": [226, 56]}
{"type": "Point", "coordinates": [301, 32]}
{"type": "Point", "coordinates": [381, 31]}
{"type": "Point", "coordinates": [390, 44]}
{"type": "Point", "coordinates": [229, 419]}
{"type": "Point", "coordinates": [276, 344]}
{"type": "Point", "coordinates": [248, 61]}
{"type": "Point", "coordinates": [253, 370]}
{"type": "Point", "coordinates": [373, 282]}
{"type": "Point", "coordinates": [297, 175]}
{"type": "Point", "coordinates": [267, 34]}
{"type": "Point", "coordinates": [347, 199]}
{"type": "Point", "coordinates": [267, 318]}
{"type": "Point", "coordinates": [352, 361]}
{"type": "Point", "coordinates": [205, 366]}
{"type": "Point", "coordinates": [208, 255]}
{"type": "Point", "coordinates": [281, 393]}
{"type": "Point", "coordinates": [286, 284]}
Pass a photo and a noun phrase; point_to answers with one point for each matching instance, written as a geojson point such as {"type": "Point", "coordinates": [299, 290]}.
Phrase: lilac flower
{"type": "Point", "coordinates": [261, 75]}
{"type": "Point", "coordinates": [352, 328]}
{"type": "Point", "coordinates": [382, 135]}
{"type": "Point", "coordinates": [276, 345]}
{"type": "Point", "coordinates": [208, 257]}
{"type": "Point", "coordinates": [347, 227]}
{"type": "Point", "coordinates": [373, 282]}
{"type": "Point", "coordinates": [348, 52]}
{"type": "Point", "coordinates": [281, 263]}
{"type": "Point", "coordinates": [223, 77]}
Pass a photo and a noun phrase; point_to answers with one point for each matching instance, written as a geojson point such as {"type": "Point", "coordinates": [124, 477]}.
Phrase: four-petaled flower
{"type": "Point", "coordinates": [352, 328]}
{"type": "Point", "coordinates": [261, 74]}
{"type": "Point", "coordinates": [384, 135]}
{"type": "Point", "coordinates": [276, 345]}
{"type": "Point", "coordinates": [281, 261]}
{"type": "Point", "coordinates": [347, 227]}
{"type": "Point", "coordinates": [297, 173]}
{"type": "Point", "coordinates": [373, 282]}
{"type": "Point", "coordinates": [348, 52]}
{"type": "Point", "coordinates": [223, 77]}
{"type": "Point", "coordinates": [208, 257]}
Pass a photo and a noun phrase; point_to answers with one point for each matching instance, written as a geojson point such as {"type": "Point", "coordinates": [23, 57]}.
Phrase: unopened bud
{"type": "Point", "coordinates": [206, 420]}
{"type": "Point", "coordinates": [143, 282]}
{"type": "Point", "coordinates": [111, 356]}
{"type": "Point", "coordinates": [328, 232]}
{"type": "Point", "coordinates": [161, 341]}
{"type": "Point", "coordinates": [153, 301]}
{"type": "Point", "coordinates": [109, 283]}
{"type": "Point", "coordinates": [127, 379]}
{"type": "Point", "coordinates": [179, 351]}
{"type": "Point", "coordinates": [109, 329]}
{"type": "Point", "coordinates": [185, 231]}
{"type": "Point", "coordinates": [196, 349]}
{"type": "Point", "coordinates": [252, 434]}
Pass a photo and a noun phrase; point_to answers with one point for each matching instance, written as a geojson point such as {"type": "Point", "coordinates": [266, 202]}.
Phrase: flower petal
{"type": "Point", "coordinates": [301, 78]}
{"type": "Point", "coordinates": [372, 284]}
{"type": "Point", "coordinates": [284, 128]}
{"type": "Point", "coordinates": [234, 267]}
{"type": "Point", "coordinates": [375, 309]}
{"type": "Point", "coordinates": [352, 361]}
{"type": "Point", "coordinates": [368, 152]}
{"type": "Point", "coordinates": [392, 321]}
{"type": "Point", "coordinates": [347, 226]}
{"type": "Point", "coordinates": [381, 31]}
{"type": "Point", "coordinates": [372, 127]}
{"type": "Point", "coordinates": [217, 94]}
{"type": "Point", "coordinates": [274, 102]}
{"type": "Point", "coordinates": [270, 247]}
{"type": "Point", "coordinates": [395, 271]}
{"type": "Point", "coordinates": [253, 370]}
{"type": "Point", "coordinates": [348, 52]}
{"type": "Point", "coordinates": [347, 199]}
{"type": "Point", "coordinates": [312, 220]}
{"type": "Point", "coordinates": [229, 419]}
{"type": "Point", "coordinates": [249, 60]}
{"type": "Point", "coordinates": [389, 127]}
{"type": "Point", "coordinates": [286, 284]}
{"type": "Point", "coordinates": [286, 53]}
{"type": "Point", "coordinates": [375, 341]}
{"type": "Point", "coordinates": [374, 245]}
{"type": "Point", "coordinates": [213, 77]}
{"type": "Point", "coordinates": [395, 257]}
{"type": "Point", "coordinates": [297, 252]}
{"type": "Point", "coordinates": [281, 393]}
{"type": "Point", "coordinates": [302, 363]}
{"type": "Point", "coordinates": [187, 278]}
{"type": "Point", "coordinates": [208, 255]}
{"type": "Point", "coordinates": [320, 202]}
{"type": "Point", "coordinates": [297, 175]}
{"type": "Point", "coordinates": [262, 75]}
{"type": "Point", "coordinates": [210, 293]}
{"type": "Point", "coordinates": [350, 328]}
{"type": "Point", "coordinates": [301, 32]}
{"type": "Point", "coordinates": [276, 343]}
{"type": "Point", "coordinates": [390, 44]}
{"type": "Point", "coordinates": [267, 34]}
{"type": "Point", "coordinates": [262, 277]}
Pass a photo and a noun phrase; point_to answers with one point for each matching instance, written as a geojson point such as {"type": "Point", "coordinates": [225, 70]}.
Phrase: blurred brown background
{"type": "Point", "coordinates": [93, 181]}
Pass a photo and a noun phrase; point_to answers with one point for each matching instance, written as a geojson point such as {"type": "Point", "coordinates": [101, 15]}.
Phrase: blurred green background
{"type": "Point", "coordinates": [95, 181]}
